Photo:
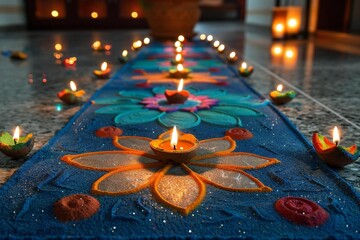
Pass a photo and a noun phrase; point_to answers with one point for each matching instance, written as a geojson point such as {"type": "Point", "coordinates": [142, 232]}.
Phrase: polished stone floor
{"type": "Point", "coordinates": [327, 80]}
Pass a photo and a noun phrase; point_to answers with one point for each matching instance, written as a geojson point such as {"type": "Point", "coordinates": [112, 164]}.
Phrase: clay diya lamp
{"type": "Point", "coordinates": [333, 154]}
{"type": "Point", "coordinates": [278, 97]}
{"type": "Point", "coordinates": [180, 150]}
{"type": "Point", "coordinates": [136, 45]}
{"type": "Point", "coordinates": [221, 48]}
{"type": "Point", "coordinates": [232, 58]}
{"type": "Point", "coordinates": [18, 55]}
{"type": "Point", "coordinates": [70, 62]}
{"type": "Point", "coordinates": [70, 96]}
{"type": "Point", "coordinates": [124, 56]}
{"type": "Point", "coordinates": [178, 59]}
{"type": "Point", "coordinates": [16, 146]}
{"type": "Point", "coordinates": [179, 72]}
{"type": "Point", "coordinates": [177, 96]}
{"type": "Point", "coordinates": [104, 71]}
{"type": "Point", "coordinates": [98, 46]}
{"type": "Point", "coordinates": [146, 41]}
{"type": "Point", "coordinates": [245, 70]}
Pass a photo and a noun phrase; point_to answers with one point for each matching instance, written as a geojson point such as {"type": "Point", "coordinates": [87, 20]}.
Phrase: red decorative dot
{"type": "Point", "coordinates": [108, 132]}
{"type": "Point", "coordinates": [213, 69]}
{"type": "Point", "coordinates": [301, 211]}
{"type": "Point", "coordinates": [239, 133]}
{"type": "Point", "coordinates": [143, 85]}
{"type": "Point", "coordinates": [139, 71]}
{"type": "Point", "coordinates": [221, 83]}
{"type": "Point", "coordinates": [75, 207]}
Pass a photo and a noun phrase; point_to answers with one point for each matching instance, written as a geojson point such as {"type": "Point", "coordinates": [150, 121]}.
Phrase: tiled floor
{"type": "Point", "coordinates": [328, 81]}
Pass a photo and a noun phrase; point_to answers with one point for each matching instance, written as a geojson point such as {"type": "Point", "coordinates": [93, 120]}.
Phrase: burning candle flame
{"type": "Point", "coordinates": [179, 49]}
{"type": "Point", "coordinates": [279, 27]}
{"type": "Point", "coordinates": [202, 37]}
{"type": "Point", "coordinates": [146, 40]}
{"type": "Point", "coordinates": [124, 53]}
{"type": "Point", "coordinates": [181, 38]}
{"type": "Point", "coordinates": [216, 43]}
{"type": "Point", "coordinates": [174, 138]}
{"type": "Point", "coordinates": [180, 67]}
{"type": "Point", "coordinates": [16, 135]}
{"type": "Point", "coordinates": [181, 85]}
{"type": "Point", "coordinates": [73, 86]}
{"type": "Point", "coordinates": [279, 88]}
{"type": "Point", "coordinates": [244, 65]}
{"type": "Point", "coordinates": [210, 38]}
{"type": "Point", "coordinates": [177, 44]}
{"type": "Point", "coordinates": [232, 54]}
{"type": "Point", "coordinates": [292, 22]}
{"type": "Point", "coordinates": [96, 44]}
{"type": "Point", "coordinates": [336, 136]}
{"type": "Point", "coordinates": [58, 47]}
{"type": "Point", "coordinates": [103, 66]}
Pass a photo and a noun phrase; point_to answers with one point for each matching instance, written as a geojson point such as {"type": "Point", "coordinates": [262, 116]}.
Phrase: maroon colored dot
{"type": "Point", "coordinates": [108, 132]}
{"type": "Point", "coordinates": [239, 133]}
{"type": "Point", "coordinates": [301, 211]}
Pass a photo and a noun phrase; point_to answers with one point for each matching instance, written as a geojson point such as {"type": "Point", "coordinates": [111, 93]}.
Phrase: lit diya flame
{"type": "Point", "coordinates": [70, 62]}
{"type": "Point", "coordinates": [124, 53]}
{"type": "Point", "coordinates": [179, 49]}
{"type": "Point", "coordinates": [178, 57]}
{"type": "Point", "coordinates": [124, 56]}
{"type": "Point", "coordinates": [202, 37]}
{"type": "Point", "coordinates": [278, 97]}
{"type": "Point", "coordinates": [209, 38]}
{"type": "Point", "coordinates": [136, 45]}
{"type": "Point", "coordinates": [232, 58]}
{"type": "Point", "coordinates": [58, 47]}
{"type": "Point", "coordinates": [16, 135]}
{"type": "Point", "coordinates": [96, 45]}
{"type": "Point", "coordinates": [177, 44]}
{"type": "Point", "coordinates": [181, 38]}
{"type": "Point", "coordinates": [179, 149]}
{"type": "Point", "coordinates": [70, 96]}
{"type": "Point", "coordinates": [221, 48]}
{"type": "Point", "coordinates": [146, 41]}
{"type": "Point", "coordinates": [332, 153]}
{"type": "Point", "coordinates": [180, 67]}
{"type": "Point", "coordinates": [336, 136]}
{"type": "Point", "coordinates": [216, 44]}
{"type": "Point", "coordinates": [174, 138]}
{"type": "Point", "coordinates": [246, 70]}
{"type": "Point", "coordinates": [179, 96]}
{"type": "Point", "coordinates": [14, 145]}
{"type": "Point", "coordinates": [103, 72]}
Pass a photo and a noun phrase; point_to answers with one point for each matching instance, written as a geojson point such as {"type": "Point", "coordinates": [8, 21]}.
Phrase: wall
{"type": "Point", "coordinates": [258, 12]}
{"type": "Point", "coordinates": [12, 13]}
{"type": "Point", "coordinates": [355, 21]}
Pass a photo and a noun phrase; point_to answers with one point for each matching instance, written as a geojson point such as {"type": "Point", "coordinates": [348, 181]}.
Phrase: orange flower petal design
{"type": "Point", "coordinates": [235, 160]}
{"type": "Point", "coordinates": [179, 189]}
{"type": "Point", "coordinates": [230, 180]}
{"type": "Point", "coordinates": [126, 180]}
{"type": "Point", "coordinates": [133, 143]}
{"type": "Point", "coordinates": [109, 160]}
{"type": "Point", "coordinates": [215, 145]}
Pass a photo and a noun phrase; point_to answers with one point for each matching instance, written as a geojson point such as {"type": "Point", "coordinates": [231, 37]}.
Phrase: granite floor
{"type": "Point", "coordinates": [327, 80]}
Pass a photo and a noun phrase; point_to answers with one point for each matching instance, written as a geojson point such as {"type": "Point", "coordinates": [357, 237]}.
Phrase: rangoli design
{"type": "Point", "coordinates": [180, 186]}
{"type": "Point", "coordinates": [214, 106]}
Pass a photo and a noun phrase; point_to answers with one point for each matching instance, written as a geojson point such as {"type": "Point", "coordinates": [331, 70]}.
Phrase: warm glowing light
{"type": "Point", "coordinates": [180, 67]}
{"type": "Point", "coordinates": [96, 44]}
{"type": "Point", "coordinates": [181, 38]}
{"type": "Point", "coordinates": [292, 22]}
{"type": "Point", "coordinates": [221, 48]}
{"type": "Point", "coordinates": [72, 60]}
{"type": "Point", "coordinates": [58, 55]}
{"type": "Point", "coordinates": [72, 86]}
{"type": "Point", "coordinates": [134, 14]}
{"type": "Point", "coordinates": [178, 57]}
{"type": "Point", "coordinates": [177, 44]}
{"type": "Point", "coordinates": [202, 37]}
{"type": "Point", "coordinates": [104, 66]}
{"type": "Point", "coordinates": [124, 53]}
{"type": "Point", "coordinates": [137, 44]}
{"type": "Point", "coordinates": [179, 49]}
{"type": "Point", "coordinates": [16, 135]}
{"type": "Point", "coordinates": [174, 138]}
{"type": "Point", "coordinates": [181, 85]}
{"type": "Point", "coordinates": [58, 47]}
{"type": "Point", "coordinates": [279, 27]}
{"type": "Point", "coordinates": [279, 88]}
{"type": "Point", "coordinates": [216, 43]}
{"type": "Point", "coordinates": [277, 51]}
{"type": "Point", "coordinates": [232, 55]}
{"type": "Point", "coordinates": [210, 38]}
{"type": "Point", "coordinates": [244, 65]}
{"type": "Point", "coordinates": [94, 15]}
{"type": "Point", "coordinates": [336, 136]}
{"type": "Point", "coordinates": [146, 41]}
{"type": "Point", "coordinates": [107, 47]}
{"type": "Point", "coordinates": [289, 53]}
{"type": "Point", "coordinates": [54, 13]}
